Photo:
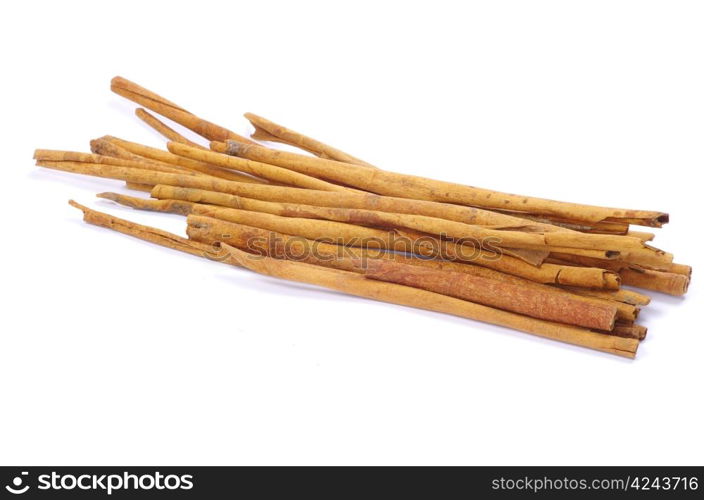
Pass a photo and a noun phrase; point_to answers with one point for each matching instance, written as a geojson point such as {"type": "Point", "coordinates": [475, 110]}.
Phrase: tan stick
{"type": "Point", "coordinates": [106, 148]}
{"type": "Point", "coordinates": [630, 331]}
{"type": "Point", "coordinates": [262, 170]}
{"type": "Point", "coordinates": [601, 227]}
{"type": "Point", "coordinates": [495, 293]}
{"type": "Point", "coordinates": [147, 188]}
{"type": "Point", "coordinates": [162, 128]}
{"type": "Point", "coordinates": [659, 261]}
{"type": "Point", "coordinates": [282, 194]}
{"type": "Point", "coordinates": [561, 274]}
{"type": "Point", "coordinates": [103, 146]}
{"type": "Point", "coordinates": [408, 186]}
{"type": "Point", "coordinates": [682, 269]}
{"type": "Point", "coordinates": [158, 104]}
{"type": "Point", "coordinates": [355, 284]}
{"type": "Point", "coordinates": [624, 296]}
{"type": "Point", "coordinates": [669, 283]}
{"type": "Point", "coordinates": [142, 232]}
{"type": "Point", "coordinates": [162, 156]}
{"type": "Point", "coordinates": [430, 247]}
{"type": "Point", "coordinates": [269, 131]}
{"type": "Point", "coordinates": [71, 156]}
{"type": "Point", "coordinates": [642, 235]}
{"type": "Point", "coordinates": [649, 279]}
{"type": "Point", "coordinates": [431, 225]}
{"type": "Point", "coordinates": [552, 302]}
{"type": "Point", "coordinates": [266, 242]}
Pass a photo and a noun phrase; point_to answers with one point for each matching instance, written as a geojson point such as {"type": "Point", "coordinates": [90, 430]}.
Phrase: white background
{"type": "Point", "coordinates": [113, 351]}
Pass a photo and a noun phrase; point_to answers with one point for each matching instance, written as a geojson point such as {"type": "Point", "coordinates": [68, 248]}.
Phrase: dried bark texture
{"type": "Point", "coordinates": [162, 128]}
{"type": "Point", "coordinates": [623, 295]}
{"type": "Point", "coordinates": [358, 200]}
{"type": "Point", "coordinates": [159, 155]}
{"type": "Point", "coordinates": [682, 269]}
{"type": "Point", "coordinates": [658, 281]}
{"type": "Point", "coordinates": [158, 104]}
{"type": "Point", "coordinates": [529, 301]}
{"type": "Point", "coordinates": [269, 172]}
{"type": "Point", "coordinates": [355, 284]}
{"type": "Point", "coordinates": [71, 156]}
{"type": "Point", "coordinates": [561, 274]}
{"type": "Point", "coordinates": [630, 331]}
{"type": "Point", "coordinates": [531, 239]}
{"type": "Point", "coordinates": [267, 130]}
{"type": "Point", "coordinates": [408, 186]}
{"type": "Point", "coordinates": [146, 188]}
{"type": "Point", "coordinates": [546, 273]}
{"type": "Point", "coordinates": [146, 233]}
{"type": "Point", "coordinates": [589, 312]}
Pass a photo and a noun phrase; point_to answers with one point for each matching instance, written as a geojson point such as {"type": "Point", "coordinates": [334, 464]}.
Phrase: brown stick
{"type": "Point", "coordinates": [407, 242]}
{"type": "Point", "coordinates": [227, 196]}
{"type": "Point", "coordinates": [431, 225]}
{"type": "Point", "coordinates": [495, 293]}
{"type": "Point", "coordinates": [71, 156]}
{"type": "Point", "coordinates": [158, 104]}
{"type": "Point", "coordinates": [682, 269]}
{"type": "Point", "coordinates": [269, 131]}
{"type": "Point", "coordinates": [264, 242]}
{"type": "Point", "coordinates": [146, 233]}
{"type": "Point", "coordinates": [566, 275]}
{"type": "Point", "coordinates": [630, 331]}
{"type": "Point", "coordinates": [154, 154]}
{"type": "Point", "coordinates": [408, 186]}
{"type": "Point", "coordinates": [163, 128]}
{"type": "Point", "coordinates": [146, 188]}
{"type": "Point", "coordinates": [262, 170]}
{"type": "Point", "coordinates": [267, 242]}
{"type": "Point", "coordinates": [624, 296]}
{"type": "Point", "coordinates": [670, 283]}
{"type": "Point", "coordinates": [355, 284]}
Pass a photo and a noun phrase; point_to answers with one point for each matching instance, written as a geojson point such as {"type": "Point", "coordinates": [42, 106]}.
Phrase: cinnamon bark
{"type": "Point", "coordinates": [408, 242]}
{"type": "Point", "coordinates": [163, 128]}
{"type": "Point", "coordinates": [106, 143]}
{"type": "Point", "coordinates": [158, 104]}
{"type": "Point", "coordinates": [267, 130]}
{"type": "Point", "coordinates": [408, 186]}
{"type": "Point", "coordinates": [499, 294]}
{"type": "Point", "coordinates": [355, 284]}
{"type": "Point", "coordinates": [75, 157]}
{"type": "Point", "coordinates": [269, 172]}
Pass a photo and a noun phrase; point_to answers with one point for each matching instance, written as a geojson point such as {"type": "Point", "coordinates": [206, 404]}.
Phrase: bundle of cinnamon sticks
{"type": "Point", "coordinates": [325, 217]}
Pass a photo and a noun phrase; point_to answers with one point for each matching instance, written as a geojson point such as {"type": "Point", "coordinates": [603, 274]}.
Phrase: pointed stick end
{"type": "Point", "coordinates": [108, 196]}
{"type": "Point", "coordinates": [77, 205]}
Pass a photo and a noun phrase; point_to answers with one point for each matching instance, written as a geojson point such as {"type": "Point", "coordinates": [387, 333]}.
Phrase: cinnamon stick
{"type": "Point", "coordinates": [495, 293]}
{"type": "Point", "coordinates": [546, 273]}
{"type": "Point", "coordinates": [408, 186]}
{"type": "Point", "coordinates": [158, 104]}
{"type": "Point", "coordinates": [76, 157]}
{"type": "Point", "coordinates": [107, 144]}
{"type": "Point", "coordinates": [355, 284]}
{"type": "Point", "coordinates": [145, 233]}
{"type": "Point", "coordinates": [267, 130]}
{"type": "Point", "coordinates": [162, 128]}
{"type": "Point", "coordinates": [266, 242]}
{"type": "Point", "coordinates": [262, 170]}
